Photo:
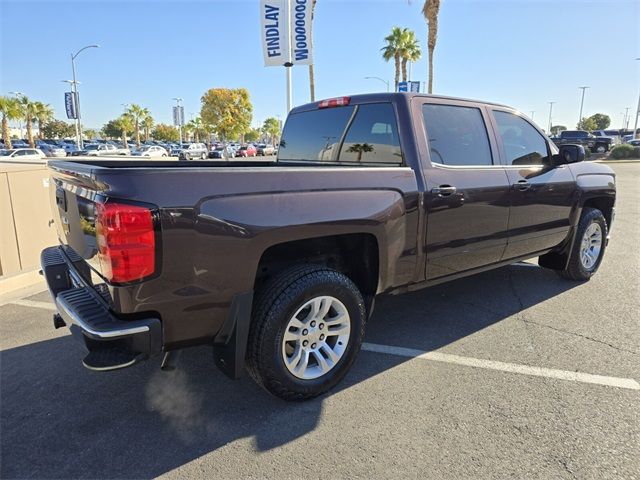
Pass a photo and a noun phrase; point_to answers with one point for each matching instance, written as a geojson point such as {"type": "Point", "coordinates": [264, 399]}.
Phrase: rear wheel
{"type": "Point", "coordinates": [588, 246]}
{"type": "Point", "coordinates": [601, 148]}
{"type": "Point", "coordinates": [307, 327]}
{"type": "Point", "coordinates": [203, 156]}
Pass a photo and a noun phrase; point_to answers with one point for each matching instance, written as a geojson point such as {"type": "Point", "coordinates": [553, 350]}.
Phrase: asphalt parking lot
{"type": "Point", "coordinates": [527, 376]}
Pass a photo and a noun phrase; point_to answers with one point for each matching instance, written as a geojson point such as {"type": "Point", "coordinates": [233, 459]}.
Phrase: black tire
{"type": "Point", "coordinates": [575, 270]}
{"type": "Point", "coordinates": [274, 306]}
{"type": "Point", "coordinates": [601, 148]}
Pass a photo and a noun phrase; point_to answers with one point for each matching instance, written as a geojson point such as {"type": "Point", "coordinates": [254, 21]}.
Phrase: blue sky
{"type": "Point", "coordinates": [522, 53]}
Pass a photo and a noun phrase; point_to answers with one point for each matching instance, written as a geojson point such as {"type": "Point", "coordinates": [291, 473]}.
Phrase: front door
{"type": "Point", "coordinates": [467, 190]}
{"type": "Point", "coordinates": [542, 196]}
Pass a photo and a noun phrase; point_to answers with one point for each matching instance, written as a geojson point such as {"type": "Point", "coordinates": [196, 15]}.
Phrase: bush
{"type": "Point", "coordinates": [620, 152]}
{"type": "Point", "coordinates": [636, 152]}
{"type": "Point", "coordinates": [587, 152]}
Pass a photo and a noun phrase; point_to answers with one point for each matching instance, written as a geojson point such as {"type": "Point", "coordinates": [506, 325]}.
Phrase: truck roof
{"type": "Point", "coordinates": [391, 96]}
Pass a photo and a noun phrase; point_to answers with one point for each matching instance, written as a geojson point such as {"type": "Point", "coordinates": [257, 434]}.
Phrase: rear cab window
{"type": "Point", "coordinates": [363, 134]}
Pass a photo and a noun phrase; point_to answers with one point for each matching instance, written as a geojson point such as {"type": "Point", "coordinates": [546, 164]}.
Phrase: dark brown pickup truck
{"type": "Point", "coordinates": [276, 264]}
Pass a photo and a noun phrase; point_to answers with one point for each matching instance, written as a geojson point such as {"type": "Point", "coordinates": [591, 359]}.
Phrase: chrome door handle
{"type": "Point", "coordinates": [444, 190]}
{"type": "Point", "coordinates": [522, 185]}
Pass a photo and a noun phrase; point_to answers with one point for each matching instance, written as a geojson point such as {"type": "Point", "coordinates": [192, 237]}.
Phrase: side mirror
{"type": "Point", "coordinates": [569, 153]}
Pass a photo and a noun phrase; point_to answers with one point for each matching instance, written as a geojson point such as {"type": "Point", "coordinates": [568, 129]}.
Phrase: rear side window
{"type": "Point", "coordinates": [314, 135]}
{"type": "Point", "coordinates": [523, 144]}
{"type": "Point", "coordinates": [457, 135]}
{"type": "Point", "coordinates": [372, 136]}
{"type": "Point", "coordinates": [365, 134]}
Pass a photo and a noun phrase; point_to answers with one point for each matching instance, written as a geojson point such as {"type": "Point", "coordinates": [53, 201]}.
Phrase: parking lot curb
{"type": "Point", "coordinates": [20, 285]}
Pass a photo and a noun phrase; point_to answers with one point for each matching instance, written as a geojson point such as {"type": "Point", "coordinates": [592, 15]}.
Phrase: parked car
{"type": "Point", "coordinates": [584, 138]}
{"type": "Point", "coordinates": [53, 150]}
{"type": "Point", "coordinates": [219, 152]}
{"type": "Point", "coordinates": [19, 144]}
{"type": "Point", "coordinates": [247, 151]}
{"type": "Point", "coordinates": [614, 135]}
{"type": "Point", "coordinates": [264, 149]}
{"type": "Point", "coordinates": [635, 143]}
{"type": "Point", "coordinates": [100, 150]}
{"type": "Point", "coordinates": [150, 151]}
{"type": "Point", "coordinates": [193, 151]}
{"type": "Point", "coordinates": [22, 155]}
{"type": "Point", "coordinates": [277, 266]}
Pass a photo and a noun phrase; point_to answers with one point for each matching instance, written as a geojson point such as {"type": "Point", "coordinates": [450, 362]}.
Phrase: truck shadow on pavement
{"type": "Point", "coordinates": [59, 420]}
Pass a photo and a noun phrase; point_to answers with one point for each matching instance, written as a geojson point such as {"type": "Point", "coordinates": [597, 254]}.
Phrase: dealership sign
{"type": "Point", "coordinates": [70, 105]}
{"type": "Point", "coordinates": [286, 32]}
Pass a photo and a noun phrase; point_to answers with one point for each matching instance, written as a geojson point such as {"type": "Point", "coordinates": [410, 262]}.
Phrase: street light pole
{"type": "Point", "coordinates": [76, 99]}
{"type": "Point", "coordinates": [626, 119]}
{"type": "Point", "coordinates": [75, 123]}
{"type": "Point", "coordinates": [635, 123]}
{"type": "Point", "coordinates": [179, 117]}
{"type": "Point", "coordinates": [378, 78]}
{"type": "Point", "coordinates": [582, 102]}
{"type": "Point", "coordinates": [550, 110]}
{"type": "Point", "coordinates": [18, 95]}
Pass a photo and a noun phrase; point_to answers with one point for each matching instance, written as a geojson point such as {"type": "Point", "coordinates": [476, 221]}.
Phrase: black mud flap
{"type": "Point", "coordinates": [230, 345]}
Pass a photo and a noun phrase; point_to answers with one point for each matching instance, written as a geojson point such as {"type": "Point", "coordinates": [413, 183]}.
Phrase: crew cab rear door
{"type": "Point", "coordinates": [467, 190]}
{"type": "Point", "coordinates": [541, 195]}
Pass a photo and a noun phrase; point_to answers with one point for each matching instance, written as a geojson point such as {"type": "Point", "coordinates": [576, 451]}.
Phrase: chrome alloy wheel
{"type": "Point", "coordinates": [590, 246]}
{"type": "Point", "coordinates": [316, 337]}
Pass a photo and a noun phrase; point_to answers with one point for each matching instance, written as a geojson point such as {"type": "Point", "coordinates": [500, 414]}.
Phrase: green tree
{"type": "Point", "coordinates": [58, 129]}
{"type": "Point", "coordinates": [111, 129]}
{"type": "Point", "coordinates": [393, 50]}
{"type": "Point", "coordinates": [587, 123]}
{"type": "Point", "coordinates": [601, 121]}
{"type": "Point", "coordinates": [90, 133]}
{"type": "Point", "coordinates": [10, 110]}
{"type": "Point", "coordinates": [271, 128]}
{"type": "Point", "coordinates": [556, 129]}
{"type": "Point", "coordinates": [409, 50]}
{"type": "Point", "coordinates": [165, 133]}
{"type": "Point", "coordinates": [252, 135]}
{"type": "Point", "coordinates": [126, 124]}
{"type": "Point", "coordinates": [430, 11]}
{"type": "Point", "coordinates": [42, 113]}
{"type": "Point", "coordinates": [197, 128]}
{"type": "Point", "coordinates": [147, 123]}
{"type": "Point", "coordinates": [28, 114]}
{"type": "Point", "coordinates": [137, 113]}
{"type": "Point", "coordinates": [227, 111]}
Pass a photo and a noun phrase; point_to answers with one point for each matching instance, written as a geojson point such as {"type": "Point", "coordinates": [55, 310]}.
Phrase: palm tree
{"type": "Point", "coordinates": [10, 110]}
{"type": "Point", "coordinates": [393, 50]}
{"type": "Point", "coordinates": [147, 123]}
{"type": "Point", "coordinates": [196, 127]}
{"type": "Point", "coordinates": [430, 11]}
{"type": "Point", "coordinates": [360, 148]}
{"type": "Point", "coordinates": [409, 50]}
{"type": "Point", "coordinates": [126, 124]}
{"type": "Point", "coordinates": [137, 113]}
{"type": "Point", "coordinates": [312, 80]}
{"type": "Point", "coordinates": [28, 111]}
{"type": "Point", "coordinates": [43, 114]}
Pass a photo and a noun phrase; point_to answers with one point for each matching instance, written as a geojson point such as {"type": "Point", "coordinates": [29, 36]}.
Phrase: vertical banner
{"type": "Point", "coordinates": [300, 29]}
{"type": "Point", "coordinates": [273, 31]}
{"type": "Point", "coordinates": [178, 116]}
{"type": "Point", "coordinates": [282, 42]}
{"type": "Point", "coordinates": [70, 105]}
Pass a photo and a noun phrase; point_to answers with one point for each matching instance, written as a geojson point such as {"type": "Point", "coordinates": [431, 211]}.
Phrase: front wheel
{"type": "Point", "coordinates": [307, 327]}
{"type": "Point", "coordinates": [203, 156]}
{"type": "Point", "coordinates": [600, 148]}
{"type": "Point", "coordinates": [588, 246]}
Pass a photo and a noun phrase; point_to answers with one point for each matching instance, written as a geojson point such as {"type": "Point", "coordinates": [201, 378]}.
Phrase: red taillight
{"type": "Point", "coordinates": [334, 102]}
{"type": "Point", "coordinates": [126, 241]}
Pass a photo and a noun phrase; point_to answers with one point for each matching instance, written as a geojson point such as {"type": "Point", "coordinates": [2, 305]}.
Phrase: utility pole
{"type": "Point", "coordinates": [550, 111]}
{"type": "Point", "coordinates": [582, 102]}
{"type": "Point", "coordinates": [79, 141]}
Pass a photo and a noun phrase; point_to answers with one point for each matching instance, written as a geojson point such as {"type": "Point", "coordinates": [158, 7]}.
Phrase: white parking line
{"type": "Point", "coordinates": [35, 304]}
{"type": "Point", "coordinates": [627, 383]}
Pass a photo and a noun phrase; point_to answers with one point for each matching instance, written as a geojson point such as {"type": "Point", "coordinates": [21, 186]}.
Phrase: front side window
{"type": "Point", "coordinates": [457, 135]}
{"type": "Point", "coordinates": [523, 144]}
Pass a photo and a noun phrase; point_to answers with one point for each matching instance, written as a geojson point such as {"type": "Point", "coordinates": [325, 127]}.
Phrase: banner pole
{"type": "Point", "coordinates": [288, 65]}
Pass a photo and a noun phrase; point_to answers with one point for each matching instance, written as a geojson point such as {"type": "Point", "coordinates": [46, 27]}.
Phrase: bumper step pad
{"type": "Point", "coordinates": [104, 359]}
